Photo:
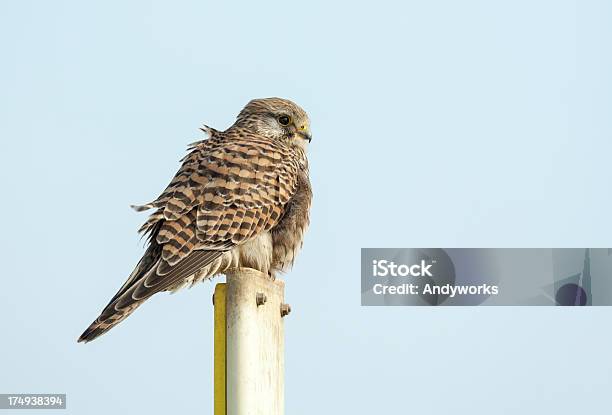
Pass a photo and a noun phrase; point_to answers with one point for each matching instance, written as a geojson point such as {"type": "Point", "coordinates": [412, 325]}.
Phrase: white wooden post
{"type": "Point", "coordinates": [255, 344]}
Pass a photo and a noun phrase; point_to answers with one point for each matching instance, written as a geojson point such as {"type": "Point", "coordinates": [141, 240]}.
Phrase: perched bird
{"type": "Point", "coordinates": [240, 199]}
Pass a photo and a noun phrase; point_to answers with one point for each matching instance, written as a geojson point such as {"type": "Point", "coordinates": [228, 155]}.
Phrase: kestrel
{"type": "Point", "coordinates": [240, 199]}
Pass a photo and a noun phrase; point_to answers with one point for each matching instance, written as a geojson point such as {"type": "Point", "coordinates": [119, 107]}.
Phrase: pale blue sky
{"type": "Point", "coordinates": [436, 124]}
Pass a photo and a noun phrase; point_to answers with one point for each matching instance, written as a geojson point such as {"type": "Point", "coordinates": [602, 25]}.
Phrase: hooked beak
{"type": "Point", "coordinates": [304, 132]}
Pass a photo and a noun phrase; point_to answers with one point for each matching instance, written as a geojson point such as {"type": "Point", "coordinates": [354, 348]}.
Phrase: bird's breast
{"type": "Point", "coordinates": [288, 235]}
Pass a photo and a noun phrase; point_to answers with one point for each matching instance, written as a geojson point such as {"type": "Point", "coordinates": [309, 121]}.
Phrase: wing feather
{"type": "Point", "coordinates": [230, 188]}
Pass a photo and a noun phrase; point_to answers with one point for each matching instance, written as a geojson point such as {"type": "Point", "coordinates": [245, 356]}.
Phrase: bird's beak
{"type": "Point", "coordinates": [304, 132]}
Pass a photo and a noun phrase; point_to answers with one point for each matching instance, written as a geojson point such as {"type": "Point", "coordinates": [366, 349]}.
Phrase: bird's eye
{"type": "Point", "coordinates": [284, 120]}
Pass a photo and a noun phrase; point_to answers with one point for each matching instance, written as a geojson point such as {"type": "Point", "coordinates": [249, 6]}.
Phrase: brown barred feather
{"type": "Point", "coordinates": [231, 189]}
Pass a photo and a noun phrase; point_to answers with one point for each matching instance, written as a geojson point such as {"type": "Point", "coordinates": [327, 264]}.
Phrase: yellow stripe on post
{"type": "Point", "coordinates": [220, 351]}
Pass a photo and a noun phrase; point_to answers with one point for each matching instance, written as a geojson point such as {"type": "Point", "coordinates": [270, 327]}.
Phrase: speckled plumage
{"type": "Point", "coordinates": [240, 199]}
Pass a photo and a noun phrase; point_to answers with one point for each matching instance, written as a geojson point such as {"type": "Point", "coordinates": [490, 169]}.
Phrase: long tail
{"type": "Point", "coordinates": [147, 279]}
{"type": "Point", "coordinates": [99, 327]}
{"type": "Point", "coordinates": [123, 302]}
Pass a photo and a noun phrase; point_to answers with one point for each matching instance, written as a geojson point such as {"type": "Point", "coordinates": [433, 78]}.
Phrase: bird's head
{"type": "Point", "coordinates": [277, 118]}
